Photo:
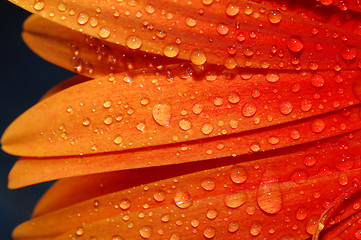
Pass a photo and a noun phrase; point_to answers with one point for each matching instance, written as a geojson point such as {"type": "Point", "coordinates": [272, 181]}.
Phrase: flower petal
{"type": "Point", "coordinates": [242, 200]}
{"type": "Point", "coordinates": [28, 171]}
{"type": "Point", "coordinates": [142, 109]}
{"type": "Point", "coordinates": [246, 33]}
{"type": "Point", "coordinates": [83, 54]}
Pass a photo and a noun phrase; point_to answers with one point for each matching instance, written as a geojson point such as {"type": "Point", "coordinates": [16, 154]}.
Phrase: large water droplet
{"type": "Point", "coordinates": [349, 53]}
{"type": "Point", "coordinates": [198, 57]}
{"type": "Point", "coordinates": [162, 113]}
{"type": "Point", "coordinates": [183, 199]}
{"type": "Point", "coordinates": [104, 32]}
{"type": "Point", "coordinates": [209, 232]}
{"type": "Point", "coordinates": [133, 42]}
{"type": "Point", "coordinates": [124, 204]}
{"type": "Point", "coordinates": [274, 16]}
{"type": "Point", "coordinates": [269, 197]}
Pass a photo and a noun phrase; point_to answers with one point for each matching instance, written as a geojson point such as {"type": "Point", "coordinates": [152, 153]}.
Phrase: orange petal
{"type": "Point", "coordinates": [28, 171]}
{"type": "Point", "coordinates": [246, 199]}
{"type": "Point", "coordinates": [247, 34]}
{"type": "Point", "coordinates": [80, 53]}
{"type": "Point", "coordinates": [143, 109]}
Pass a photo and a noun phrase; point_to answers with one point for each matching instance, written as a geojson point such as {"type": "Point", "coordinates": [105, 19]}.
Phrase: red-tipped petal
{"type": "Point", "coordinates": [246, 34]}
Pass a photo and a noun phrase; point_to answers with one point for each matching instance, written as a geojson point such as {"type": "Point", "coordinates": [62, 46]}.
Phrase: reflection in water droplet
{"type": "Point", "coordinates": [162, 113]}
{"type": "Point", "coordinates": [198, 57]}
{"type": "Point", "coordinates": [318, 125]}
{"type": "Point", "coordinates": [286, 107]}
{"type": "Point", "coordinates": [249, 109]}
{"type": "Point", "coordinates": [212, 213]}
{"type": "Point", "coordinates": [133, 42]}
{"type": "Point", "coordinates": [209, 232]}
{"type": "Point", "coordinates": [185, 124]}
{"type": "Point", "coordinates": [171, 51]}
{"type": "Point", "coordinates": [274, 16]}
{"type": "Point", "coordinates": [104, 32]}
{"type": "Point", "coordinates": [183, 199]}
{"type": "Point", "coordinates": [301, 214]}
{"type": "Point", "coordinates": [207, 128]}
{"type": "Point", "coordinates": [124, 204]}
{"type": "Point", "coordinates": [233, 227]}
{"type": "Point", "coordinates": [197, 108]}
{"type": "Point", "coordinates": [295, 44]}
{"type": "Point", "coordinates": [159, 195]}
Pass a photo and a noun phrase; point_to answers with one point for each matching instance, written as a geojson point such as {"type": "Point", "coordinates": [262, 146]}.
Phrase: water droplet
{"type": "Point", "coordinates": [116, 237]}
{"type": "Point", "coordinates": [198, 57]}
{"type": "Point", "coordinates": [197, 108]}
{"type": "Point", "coordinates": [61, 7]}
{"type": "Point", "coordinates": [39, 5]}
{"type": "Point", "coordinates": [107, 104]}
{"type": "Point", "coordinates": [218, 101]}
{"type": "Point", "coordinates": [317, 80]}
{"type": "Point", "coordinates": [195, 223]}
{"type": "Point", "coordinates": [165, 218]}
{"type": "Point", "coordinates": [256, 228]}
{"type": "Point", "coordinates": [311, 224]}
{"type": "Point", "coordinates": [275, 16]}
{"type": "Point", "coordinates": [301, 213]}
{"type": "Point", "coordinates": [118, 139]}
{"type": "Point", "coordinates": [255, 147]}
{"type": "Point", "coordinates": [343, 179]}
{"type": "Point", "coordinates": [295, 44]}
{"type": "Point", "coordinates": [104, 32]}
{"type": "Point", "coordinates": [83, 18]}
{"type": "Point", "coordinates": [185, 124]}
{"type": "Point", "coordinates": [249, 109]}
{"type": "Point", "coordinates": [124, 204]}
{"type": "Point", "coordinates": [209, 232]}
{"type": "Point", "coordinates": [190, 22]}
{"type": "Point", "coordinates": [306, 105]}
{"type": "Point", "coordinates": [232, 10]}
{"type": "Point", "coordinates": [269, 197]}
{"type": "Point", "coordinates": [233, 227]}
{"type": "Point", "coordinates": [222, 29]}
{"type": "Point", "coordinates": [343, 163]}
{"type": "Point", "coordinates": [171, 51]}
{"type": "Point", "coordinates": [133, 42]}
{"type": "Point", "coordinates": [146, 232]}
{"type": "Point", "coordinates": [238, 174]}
{"type": "Point", "coordinates": [349, 53]}
{"type": "Point", "coordinates": [299, 175]}
{"type": "Point", "coordinates": [235, 200]}
{"type": "Point", "coordinates": [233, 97]}
{"type": "Point", "coordinates": [272, 77]}
{"type": "Point", "coordinates": [144, 101]}
{"type": "Point", "coordinates": [208, 184]}
{"type": "Point", "coordinates": [273, 140]}
{"type": "Point", "coordinates": [183, 199]}
{"type": "Point", "coordinates": [309, 160]}
{"type": "Point", "coordinates": [159, 195]}
{"type": "Point", "coordinates": [286, 107]}
{"type": "Point", "coordinates": [79, 231]}
{"type": "Point", "coordinates": [318, 125]}
{"type": "Point", "coordinates": [212, 213]}
{"type": "Point", "coordinates": [162, 113]}
{"type": "Point", "coordinates": [175, 236]}
{"type": "Point", "coordinates": [207, 128]}
{"type": "Point", "coordinates": [295, 134]}
{"type": "Point", "coordinates": [86, 121]}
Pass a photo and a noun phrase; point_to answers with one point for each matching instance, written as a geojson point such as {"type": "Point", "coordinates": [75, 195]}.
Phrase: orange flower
{"type": "Point", "coordinates": [200, 120]}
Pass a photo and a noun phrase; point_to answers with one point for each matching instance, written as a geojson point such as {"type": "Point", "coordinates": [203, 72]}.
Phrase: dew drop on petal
{"type": "Point", "coordinates": [185, 124]}
{"type": "Point", "coordinates": [301, 214]}
{"type": "Point", "coordinates": [249, 109]}
{"type": "Point", "coordinates": [311, 224]}
{"type": "Point", "coordinates": [272, 77]}
{"type": "Point", "coordinates": [39, 5]}
{"type": "Point", "coordinates": [349, 53]}
{"type": "Point", "coordinates": [212, 213]}
{"type": "Point", "coordinates": [233, 227]}
{"type": "Point", "coordinates": [207, 128]}
{"type": "Point", "coordinates": [133, 42]}
{"type": "Point", "coordinates": [208, 184]}
{"type": "Point", "coordinates": [146, 232]}
{"type": "Point", "coordinates": [238, 174]}
{"type": "Point", "coordinates": [274, 16]}
{"type": "Point", "coordinates": [318, 125]}
{"type": "Point", "coordinates": [198, 57]}
{"type": "Point", "coordinates": [286, 107]}
{"type": "Point", "coordinates": [83, 18]}
{"type": "Point", "coordinates": [162, 113]}
{"type": "Point", "coordinates": [295, 44]}
{"type": "Point", "coordinates": [159, 195]}
{"type": "Point", "coordinates": [269, 197]}
{"type": "Point", "coordinates": [197, 108]}
{"type": "Point", "coordinates": [124, 204]}
{"type": "Point", "coordinates": [235, 200]}
{"type": "Point", "coordinates": [232, 10]}
{"type": "Point", "coordinates": [183, 199]}
{"type": "Point", "coordinates": [256, 228]}
{"type": "Point", "coordinates": [209, 232]}
{"type": "Point", "coordinates": [317, 80]}
{"type": "Point", "coordinates": [104, 32]}
{"type": "Point", "coordinates": [171, 51]}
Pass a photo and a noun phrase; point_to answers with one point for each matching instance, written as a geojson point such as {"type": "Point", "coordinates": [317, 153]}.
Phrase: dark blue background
{"type": "Point", "coordinates": [24, 78]}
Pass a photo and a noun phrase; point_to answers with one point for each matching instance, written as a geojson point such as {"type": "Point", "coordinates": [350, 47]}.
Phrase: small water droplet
{"type": "Point", "coordinates": [317, 80]}
{"type": "Point", "coordinates": [83, 18]}
{"type": "Point", "coordinates": [183, 199]}
{"type": "Point", "coordinates": [146, 232]}
{"type": "Point", "coordinates": [190, 22]}
{"type": "Point", "coordinates": [309, 160]}
{"type": "Point", "coordinates": [212, 213]}
{"type": "Point", "coordinates": [318, 125]}
{"type": "Point", "coordinates": [124, 204]}
{"type": "Point", "coordinates": [208, 184]}
{"type": "Point", "coordinates": [222, 29]}
{"type": "Point", "coordinates": [86, 121]}
{"type": "Point", "coordinates": [256, 228]}
{"type": "Point", "coordinates": [197, 108]}
{"type": "Point", "coordinates": [104, 32]}
{"type": "Point", "coordinates": [133, 42]}
{"type": "Point", "coordinates": [311, 224]}
{"type": "Point", "coordinates": [118, 139]}
{"type": "Point", "coordinates": [207, 128]}
{"type": "Point", "coordinates": [198, 57]}
{"type": "Point", "coordinates": [272, 77]}
{"type": "Point", "coordinates": [274, 140]}
{"type": "Point", "coordinates": [235, 200]}
{"type": "Point", "coordinates": [159, 195]}
{"type": "Point", "coordinates": [171, 51]}
{"type": "Point", "coordinates": [238, 174]}
{"type": "Point", "coordinates": [249, 109]}
{"type": "Point", "coordinates": [209, 232]}
{"type": "Point", "coordinates": [162, 113]}
{"type": "Point", "coordinates": [233, 227]}
{"type": "Point", "coordinates": [232, 10]}
{"type": "Point", "coordinates": [274, 16]}
{"type": "Point", "coordinates": [39, 5]}
{"type": "Point", "coordinates": [295, 44]}
{"type": "Point", "coordinates": [349, 53]}
{"type": "Point", "coordinates": [286, 107]}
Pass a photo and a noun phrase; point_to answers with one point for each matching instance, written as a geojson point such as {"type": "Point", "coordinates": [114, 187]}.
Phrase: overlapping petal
{"type": "Point", "coordinates": [262, 34]}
